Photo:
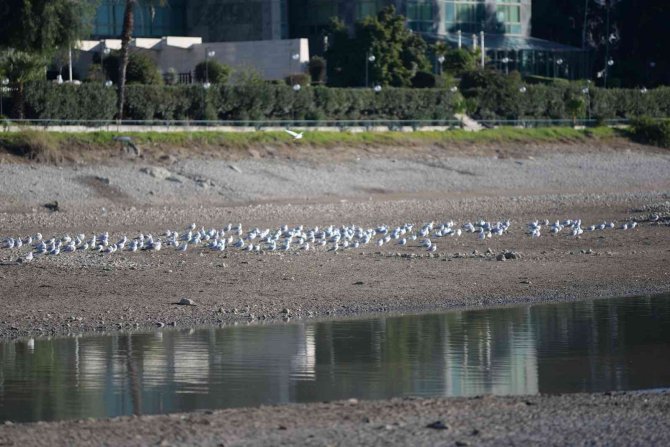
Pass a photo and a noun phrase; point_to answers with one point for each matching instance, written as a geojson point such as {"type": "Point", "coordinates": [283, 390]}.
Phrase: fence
{"type": "Point", "coordinates": [12, 125]}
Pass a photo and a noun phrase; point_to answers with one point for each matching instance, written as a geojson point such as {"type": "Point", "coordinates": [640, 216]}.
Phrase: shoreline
{"type": "Point", "coordinates": [610, 418]}
{"type": "Point", "coordinates": [84, 291]}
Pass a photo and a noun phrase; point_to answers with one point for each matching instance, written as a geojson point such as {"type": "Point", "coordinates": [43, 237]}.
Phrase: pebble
{"type": "Point", "coordinates": [437, 425]}
{"type": "Point", "coordinates": [186, 302]}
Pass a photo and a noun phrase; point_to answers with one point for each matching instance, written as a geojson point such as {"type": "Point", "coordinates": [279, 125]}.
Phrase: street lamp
{"type": "Point", "coordinates": [585, 92]}
{"type": "Point", "coordinates": [441, 61]}
{"type": "Point", "coordinates": [5, 83]}
{"type": "Point", "coordinates": [294, 57]}
{"type": "Point", "coordinates": [369, 58]}
{"type": "Point", "coordinates": [208, 54]}
{"type": "Point", "coordinates": [506, 60]}
{"type": "Point", "coordinates": [105, 52]}
{"type": "Point", "coordinates": [557, 67]}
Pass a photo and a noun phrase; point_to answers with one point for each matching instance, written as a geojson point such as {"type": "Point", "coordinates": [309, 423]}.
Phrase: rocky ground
{"type": "Point", "coordinates": [84, 292]}
{"type": "Point", "coordinates": [634, 419]}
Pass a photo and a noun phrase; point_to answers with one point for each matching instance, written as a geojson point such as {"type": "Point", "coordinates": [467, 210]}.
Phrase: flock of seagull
{"type": "Point", "coordinates": [300, 238]}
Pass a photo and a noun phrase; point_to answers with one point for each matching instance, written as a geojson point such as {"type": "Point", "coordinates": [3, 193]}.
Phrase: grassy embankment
{"type": "Point", "coordinates": [50, 146]}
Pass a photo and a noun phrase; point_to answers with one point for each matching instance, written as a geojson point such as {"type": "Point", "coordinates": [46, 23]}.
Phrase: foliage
{"type": "Point", "coordinates": [141, 69]}
{"type": "Point", "coordinates": [89, 101]}
{"type": "Point", "coordinates": [649, 131]}
{"type": "Point", "coordinates": [399, 53]}
{"type": "Point", "coordinates": [212, 70]}
{"type": "Point", "coordinates": [44, 26]}
{"type": "Point", "coordinates": [21, 67]}
{"type": "Point", "coordinates": [458, 60]}
{"type": "Point", "coordinates": [317, 69]}
{"type": "Point", "coordinates": [171, 77]}
{"type": "Point", "coordinates": [250, 101]}
{"type": "Point", "coordinates": [301, 79]}
{"type": "Point", "coordinates": [424, 79]}
{"type": "Point", "coordinates": [486, 95]}
{"type": "Point", "coordinates": [637, 34]}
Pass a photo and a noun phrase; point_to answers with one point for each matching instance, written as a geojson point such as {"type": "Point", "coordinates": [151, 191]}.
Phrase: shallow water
{"type": "Point", "coordinates": [599, 345]}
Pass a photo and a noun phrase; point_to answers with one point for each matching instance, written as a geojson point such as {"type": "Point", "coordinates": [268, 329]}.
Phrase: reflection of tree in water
{"type": "Point", "coordinates": [603, 345]}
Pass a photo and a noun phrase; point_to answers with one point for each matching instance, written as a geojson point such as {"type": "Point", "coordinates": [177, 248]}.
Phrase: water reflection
{"type": "Point", "coordinates": [586, 346]}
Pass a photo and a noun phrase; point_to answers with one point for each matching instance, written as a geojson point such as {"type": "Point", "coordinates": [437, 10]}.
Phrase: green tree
{"type": "Point", "coordinates": [398, 53]}
{"type": "Point", "coordinates": [21, 67]}
{"type": "Point", "coordinates": [33, 31]}
{"type": "Point", "coordinates": [141, 69]}
{"type": "Point", "coordinates": [458, 60]}
{"type": "Point", "coordinates": [217, 73]}
{"type": "Point", "coordinates": [44, 26]}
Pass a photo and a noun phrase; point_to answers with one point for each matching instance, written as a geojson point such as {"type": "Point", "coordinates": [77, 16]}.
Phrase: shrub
{"type": "Point", "coordinates": [424, 79]}
{"type": "Point", "coordinates": [317, 69]}
{"type": "Point", "coordinates": [89, 101]}
{"type": "Point", "coordinates": [458, 60]}
{"type": "Point", "coordinates": [141, 69]}
{"type": "Point", "coordinates": [485, 95]}
{"type": "Point", "coordinates": [649, 131]}
{"type": "Point", "coordinates": [212, 70]}
{"type": "Point", "coordinates": [301, 79]}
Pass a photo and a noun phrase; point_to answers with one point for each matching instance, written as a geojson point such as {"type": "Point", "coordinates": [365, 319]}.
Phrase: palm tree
{"type": "Point", "coordinates": [126, 36]}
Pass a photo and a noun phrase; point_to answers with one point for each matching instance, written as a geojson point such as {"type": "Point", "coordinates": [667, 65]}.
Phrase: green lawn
{"type": "Point", "coordinates": [21, 141]}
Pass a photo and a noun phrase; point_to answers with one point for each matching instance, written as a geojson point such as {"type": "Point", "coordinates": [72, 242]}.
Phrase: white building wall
{"type": "Point", "coordinates": [272, 59]}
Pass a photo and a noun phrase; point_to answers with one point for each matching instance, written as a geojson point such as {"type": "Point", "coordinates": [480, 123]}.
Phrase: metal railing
{"type": "Point", "coordinates": [259, 125]}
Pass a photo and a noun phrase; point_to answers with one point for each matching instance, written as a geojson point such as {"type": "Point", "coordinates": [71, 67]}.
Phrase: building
{"type": "Point", "coordinates": [272, 59]}
{"type": "Point", "coordinates": [506, 25]}
{"type": "Point", "coordinates": [212, 20]}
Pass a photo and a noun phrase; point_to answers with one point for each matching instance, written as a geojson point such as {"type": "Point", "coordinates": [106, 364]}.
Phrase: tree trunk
{"type": "Point", "coordinates": [126, 35]}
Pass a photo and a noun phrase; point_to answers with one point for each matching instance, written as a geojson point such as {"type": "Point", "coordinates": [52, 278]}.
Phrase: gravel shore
{"type": "Point", "coordinates": [93, 292]}
{"type": "Point", "coordinates": [612, 419]}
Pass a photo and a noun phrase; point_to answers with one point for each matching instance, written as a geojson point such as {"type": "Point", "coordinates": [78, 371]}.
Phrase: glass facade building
{"type": "Point", "coordinates": [506, 24]}
{"type": "Point", "coordinates": [169, 20]}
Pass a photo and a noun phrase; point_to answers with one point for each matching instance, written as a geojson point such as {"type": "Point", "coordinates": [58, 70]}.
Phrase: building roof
{"type": "Point", "coordinates": [509, 43]}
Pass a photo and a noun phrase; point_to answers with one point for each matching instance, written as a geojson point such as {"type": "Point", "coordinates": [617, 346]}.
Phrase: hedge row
{"type": "Point", "coordinates": [255, 102]}
{"type": "Point", "coordinates": [276, 102]}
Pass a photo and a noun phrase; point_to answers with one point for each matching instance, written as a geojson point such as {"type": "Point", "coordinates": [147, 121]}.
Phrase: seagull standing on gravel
{"type": "Point", "coordinates": [295, 135]}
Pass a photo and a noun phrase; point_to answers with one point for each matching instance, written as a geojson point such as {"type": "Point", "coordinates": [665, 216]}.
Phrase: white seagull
{"type": "Point", "coordinates": [295, 135]}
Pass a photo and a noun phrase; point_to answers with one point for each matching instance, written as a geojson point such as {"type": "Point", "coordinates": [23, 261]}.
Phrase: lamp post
{"type": "Point", "coordinates": [505, 60]}
{"type": "Point", "coordinates": [586, 92]}
{"type": "Point", "coordinates": [294, 57]}
{"type": "Point", "coordinates": [607, 43]}
{"type": "Point", "coordinates": [208, 54]}
{"type": "Point", "coordinates": [557, 66]}
{"type": "Point", "coordinates": [296, 88]}
{"type": "Point", "coordinates": [369, 58]}
{"type": "Point", "coordinates": [105, 52]}
{"type": "Point", "coordinates": [439, 66]}
{"type": "Point", "coordinates": [3, 85]}
{"type": "Point", "coordinates": [606, 70]}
